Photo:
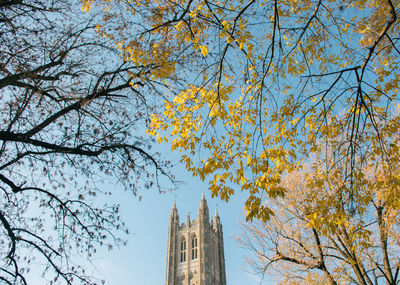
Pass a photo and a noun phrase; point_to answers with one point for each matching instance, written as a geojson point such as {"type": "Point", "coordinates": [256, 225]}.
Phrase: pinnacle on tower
{"type": "Point", "coordinates": [203, 201]}
{"type": "Point", "coordinates": [203, 208]}
{"type": "Point", "coordinates": [216, 218]}
{"type": "Point", "coordinates": [188, 219]}
{"type": "Point", "coordinates": [174, 210]}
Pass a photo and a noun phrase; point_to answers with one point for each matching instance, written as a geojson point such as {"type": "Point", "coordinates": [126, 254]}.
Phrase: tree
{"type": "Point", "coordinates": [72, 114]}
{"type": "Point", "coordinates": [323, 234]}
{"type": "Point", "coordinates": [269, 81]}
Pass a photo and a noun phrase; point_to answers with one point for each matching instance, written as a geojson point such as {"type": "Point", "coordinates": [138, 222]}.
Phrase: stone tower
{"type": "Point", "coordinates": [195, 249]}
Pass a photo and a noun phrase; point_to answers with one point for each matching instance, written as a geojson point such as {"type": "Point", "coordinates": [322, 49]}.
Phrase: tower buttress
{"type": "Point", "coordinates": [172, 244]}
{"type": "Point", "coordinates": [204, 225]}
{"type": "Point", "coordinates": [220, 248]}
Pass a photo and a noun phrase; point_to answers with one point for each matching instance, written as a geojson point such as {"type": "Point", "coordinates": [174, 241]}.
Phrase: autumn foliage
{"type": "Point", "coordinates": [264, 84]}
{"type": "Point", "coordinates": [323, 233]}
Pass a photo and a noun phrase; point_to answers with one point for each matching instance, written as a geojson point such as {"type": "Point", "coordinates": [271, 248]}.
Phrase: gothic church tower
{"type": "Point", "coordinates": [195, 249]}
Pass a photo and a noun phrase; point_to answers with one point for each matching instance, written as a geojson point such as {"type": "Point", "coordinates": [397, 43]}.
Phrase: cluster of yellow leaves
{"type": "Point", "coordinates": [321, 221]}
{"type": "Point", "coordinates": [334, 201]}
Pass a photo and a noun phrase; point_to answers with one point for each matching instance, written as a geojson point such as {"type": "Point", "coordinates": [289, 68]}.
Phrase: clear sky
{"type": "Point", "coordinates": [143, 261]}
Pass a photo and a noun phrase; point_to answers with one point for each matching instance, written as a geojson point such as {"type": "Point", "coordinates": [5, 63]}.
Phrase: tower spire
{"type": "Point", "coordinates": [174, 210]}
{"type": "Point", "coordinates": [203, 208]}
{"type": "Point", "coordinates": [216, 222]}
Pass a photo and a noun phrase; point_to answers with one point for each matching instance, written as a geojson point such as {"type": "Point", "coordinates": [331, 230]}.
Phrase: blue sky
{"type": "Point", "coordinates": [143, 261]}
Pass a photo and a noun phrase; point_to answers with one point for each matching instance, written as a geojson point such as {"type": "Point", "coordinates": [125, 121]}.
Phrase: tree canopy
{"type": "Point", "coordinates": [266, 84]}
{"type": "Point", "coordinates": [72, 114]}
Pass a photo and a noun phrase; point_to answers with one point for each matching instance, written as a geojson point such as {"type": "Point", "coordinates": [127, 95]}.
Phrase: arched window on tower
{"type": "Point", "coordinates": [183, 250]}
{"type": "Point", "coordinates": [194, 247]}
